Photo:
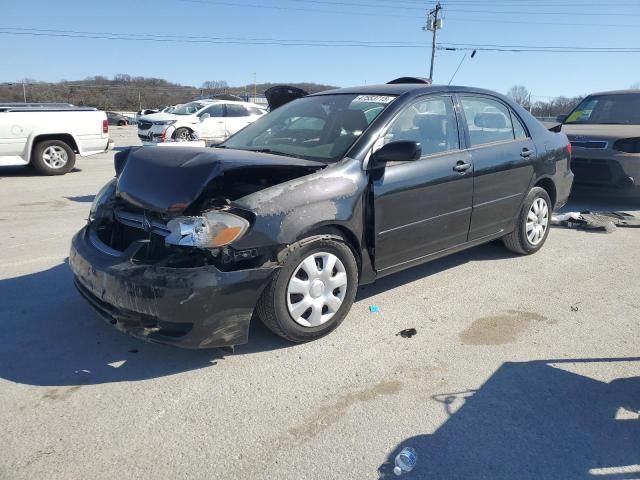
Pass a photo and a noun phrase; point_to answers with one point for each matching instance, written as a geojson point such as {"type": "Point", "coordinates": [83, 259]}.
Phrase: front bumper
{"type": "Point", "coordinates": [199, 307]}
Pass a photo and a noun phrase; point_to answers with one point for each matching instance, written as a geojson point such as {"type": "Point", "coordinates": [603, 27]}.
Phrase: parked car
{"type": "Point", "coordinates": [289, 216]}
{"type": "Point", "coordinates": [604, 131]}
{"type": "Point", "coordinates": [48, 137]}
{"type": "Point", "coordinates": [212, 121]}
{"type": "Point", "coordinates": [117, 119]}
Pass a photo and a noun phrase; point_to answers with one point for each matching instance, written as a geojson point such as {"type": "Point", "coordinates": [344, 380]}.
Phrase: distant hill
{"type": "Point", "coordinates": [125, 92]}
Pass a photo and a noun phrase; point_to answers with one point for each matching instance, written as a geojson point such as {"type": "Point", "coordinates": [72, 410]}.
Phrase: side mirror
{"type": "Point", "coordinates": [402, 151]}
{"type": "Point", "coordinates": [561, 118]}
{"type": "Point", "coordinates": [204, 116]}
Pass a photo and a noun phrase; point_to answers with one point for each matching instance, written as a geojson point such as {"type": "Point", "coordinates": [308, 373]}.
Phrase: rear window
{"type": "Point", "coordinates": [608, 109]}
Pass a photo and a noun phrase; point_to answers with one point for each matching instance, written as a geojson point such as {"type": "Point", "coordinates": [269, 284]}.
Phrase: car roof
{"type": "Point", "coordinates": [617, 92]}
{"type": "Point", "coordinates": [402, 88]}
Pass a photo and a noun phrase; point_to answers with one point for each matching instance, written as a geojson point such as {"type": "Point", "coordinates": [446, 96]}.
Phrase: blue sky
{"type": "Point", "coordinates": [466, 21]}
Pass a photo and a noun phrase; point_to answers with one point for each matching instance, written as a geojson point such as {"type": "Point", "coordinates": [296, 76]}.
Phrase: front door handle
{"type": "Point", "coordinates": [526, 153]}
{"type": "Point", "coordinates": [462, 166]}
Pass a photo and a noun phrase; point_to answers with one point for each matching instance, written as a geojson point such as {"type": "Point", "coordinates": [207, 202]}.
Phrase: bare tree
{"type": "Point", "coordinates": [520, 95]}
{"type": "Point", "coordinates": [635, 86]}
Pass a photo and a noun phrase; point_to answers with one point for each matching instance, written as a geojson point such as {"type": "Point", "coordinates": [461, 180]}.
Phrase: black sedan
{"type": "Point", "coordinates": [286, 219]}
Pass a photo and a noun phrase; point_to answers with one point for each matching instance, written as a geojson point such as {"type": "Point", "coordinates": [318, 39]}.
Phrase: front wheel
{"type": "Point", "coordinates": [312, 292]}
{"type": "Point", "coordinates": [182, 135]}
{"type": "Point", "coordinates": [532, 225]}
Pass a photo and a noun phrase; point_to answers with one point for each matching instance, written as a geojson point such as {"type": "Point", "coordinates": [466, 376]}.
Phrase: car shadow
{"type": "Point", "coordinates": [490, 251]}
{"type": "Point", "coordinates": [82, 198]}
{"type": "Point", "coordinates": [532, 421]}
{"type": "Point", "coordinates": [599, 201]}
{"type": "Point", "coordinates": [24, 171]}
{"type": "Point", "coordinates": [51, 337]}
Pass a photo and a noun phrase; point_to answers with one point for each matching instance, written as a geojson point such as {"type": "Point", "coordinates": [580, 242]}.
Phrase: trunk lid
{"type": "Point", "coordinates": [282, 94]}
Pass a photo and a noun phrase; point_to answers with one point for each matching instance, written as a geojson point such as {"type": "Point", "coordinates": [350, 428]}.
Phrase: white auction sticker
{"type": "Point", "coordinates": [374, 99]}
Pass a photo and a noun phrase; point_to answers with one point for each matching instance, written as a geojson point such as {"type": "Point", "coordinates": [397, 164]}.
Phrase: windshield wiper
{"type": "Point", "coordinates": [272, 152]}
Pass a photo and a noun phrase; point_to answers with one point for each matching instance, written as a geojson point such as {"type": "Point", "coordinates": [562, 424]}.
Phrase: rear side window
{"type": "Point", "coordinates": [488, 120]}
{"type": "Point", "coordinates": [256, 111]}
{"type": "Point", "coordinates": [236, 111]}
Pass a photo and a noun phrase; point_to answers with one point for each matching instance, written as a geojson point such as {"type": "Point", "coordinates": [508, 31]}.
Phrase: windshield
{"type": "Point", "coordinates": [607, 109]}
{"type": "Point", "coordinates": [319, 127]}
{"type": "Point", "coordinates": [188, 108]}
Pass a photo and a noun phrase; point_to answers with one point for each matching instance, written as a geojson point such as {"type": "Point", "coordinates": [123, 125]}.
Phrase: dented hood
{"type": "Point", "coordinates": [168, 180]}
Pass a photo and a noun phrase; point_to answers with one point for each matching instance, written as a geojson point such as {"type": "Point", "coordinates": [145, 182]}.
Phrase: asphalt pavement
{"type": "Point", "coordinates": [521, 368]}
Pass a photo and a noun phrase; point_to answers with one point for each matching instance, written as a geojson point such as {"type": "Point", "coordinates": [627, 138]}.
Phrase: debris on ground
{"type": "Point", "coordinates": [374, 308]}
{"type": "Point", "coordinates": [407, 332]}
{"type": "Point", "coordinates": [405, 461]}
{"type": "Point", "coordinates": [575, 307]}
{"type": "Point", "coordinates": [595, 221]}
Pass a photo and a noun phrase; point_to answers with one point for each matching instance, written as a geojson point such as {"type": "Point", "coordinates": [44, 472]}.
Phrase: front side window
{"type": "Point", "coordinates": [216, 110]}
{"type": "Point", "coordinates": [488, 120]}
{"type": "Point", "coordinates": [431, 122]}
{"type": "Point", "coordinates": [317, 127]}
{"type": "Point", "coordinates": [236, 110]}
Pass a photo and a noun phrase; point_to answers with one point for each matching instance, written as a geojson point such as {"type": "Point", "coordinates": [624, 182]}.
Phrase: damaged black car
{"type": "Point", "coordinates": [285, 219]}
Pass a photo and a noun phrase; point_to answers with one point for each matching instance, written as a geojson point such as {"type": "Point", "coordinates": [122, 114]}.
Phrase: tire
{"type": "Point", "coordinates": [278, 301]}
{"type": "Point", "coordinates": [122, 123]}
{"type": "Point", "coordinates": [532, 225]}
{"type": "Point", "coordinates": [53, 157]}
{"type": "Point", "coordinates": [182, 134]}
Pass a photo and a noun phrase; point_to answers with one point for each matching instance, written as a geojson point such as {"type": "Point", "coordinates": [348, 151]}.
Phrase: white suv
{"type": "Point", "coordinates": [211, 120]}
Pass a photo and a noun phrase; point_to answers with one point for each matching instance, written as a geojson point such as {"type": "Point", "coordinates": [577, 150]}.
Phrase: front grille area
{"type": "Point", "coordinates": [144, 124]}
{"type": "Point", "coordinates": [593, 144]}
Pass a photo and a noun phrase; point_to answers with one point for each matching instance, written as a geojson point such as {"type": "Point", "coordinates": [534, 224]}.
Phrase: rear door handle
{"type": "Point", "coordinates": [526, 153]}
{"type": "Point", "coordinates": [462, 166]}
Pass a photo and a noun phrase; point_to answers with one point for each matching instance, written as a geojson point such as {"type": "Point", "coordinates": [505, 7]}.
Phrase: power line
{"type": "Point", "coordinates": [527, 22]}
{"type": "Point", "coordinates": [502, 12]}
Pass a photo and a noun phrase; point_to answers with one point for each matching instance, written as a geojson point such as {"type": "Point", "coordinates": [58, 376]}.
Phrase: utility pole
{"type": "Point", "coordinates": [255, 87]}
{"type": "Point", "coordinates": [24, 92]}
{"type": "Point", "coordinates": [139, 101]}
{"type": "Point", "coordinates": [434, 23]}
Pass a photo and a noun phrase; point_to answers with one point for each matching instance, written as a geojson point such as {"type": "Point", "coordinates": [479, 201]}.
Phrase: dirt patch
{"type": "Point", "coordinates": [54, 203]}
{"type": "Point", "coordinates": [332, 411]}
{"type": "Point", "coordinates": [500, 329]}
{"type": "Point", "coordinates": [61, 394]}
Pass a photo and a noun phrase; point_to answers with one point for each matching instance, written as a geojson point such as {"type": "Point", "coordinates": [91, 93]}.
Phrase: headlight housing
{"type": "Point", "coordinates": [211, 230]}
{"type": "Point", "coordinates": [165, 122]}
{"type": "Point", "coordinates": [105, 194]}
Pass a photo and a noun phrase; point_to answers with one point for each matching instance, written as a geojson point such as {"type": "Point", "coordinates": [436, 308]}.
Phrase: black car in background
{"type": "Point", "coordinates": [117, 119]}
{"type": "Point", "coordinates": [286, 218]}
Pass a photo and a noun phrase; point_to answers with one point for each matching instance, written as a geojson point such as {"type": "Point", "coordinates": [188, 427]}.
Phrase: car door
{"type": "Point", "coordinates": [502, 154]}
{"type": "Point", "coordinates": [211, 125]}
{"type": "Point", "coordinates": [237, 117]}
{"type": "Point", "coordinates": [423, 206]}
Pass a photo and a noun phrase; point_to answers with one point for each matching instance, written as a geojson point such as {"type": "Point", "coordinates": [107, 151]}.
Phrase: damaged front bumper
{"type": "Point", "coordinates": [198, 307]}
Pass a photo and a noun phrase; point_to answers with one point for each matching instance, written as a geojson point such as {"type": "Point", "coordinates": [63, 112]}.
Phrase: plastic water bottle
{"type": "Point", "coordinates": [405, 461]}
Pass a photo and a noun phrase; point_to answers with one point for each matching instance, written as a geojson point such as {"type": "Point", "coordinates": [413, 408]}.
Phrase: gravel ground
{"type": "Point", "coordinates": [522, 367]}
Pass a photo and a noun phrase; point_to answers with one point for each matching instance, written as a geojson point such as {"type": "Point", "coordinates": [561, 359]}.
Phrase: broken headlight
{"type": "Point", "coordinates": [105, 194]}
{"type": "Point", "coordinates": [211, 230]}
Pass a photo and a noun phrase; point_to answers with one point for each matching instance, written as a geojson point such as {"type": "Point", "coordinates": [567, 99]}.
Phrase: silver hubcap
{"type": "Point", "coordinates": [537, 221]}
{"type": "Point", "coordinates": [184, 135]}
{"type": "Point", "coordinates": [316, 289]}
{"type": "Point", "coordinates": [55, 157]}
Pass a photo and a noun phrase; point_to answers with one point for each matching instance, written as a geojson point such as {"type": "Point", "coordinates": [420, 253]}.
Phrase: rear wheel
{"type": "Point", "coordinates": [53, 157]}
{"type": "Point", "coordinates": [122, 123]}
{"type": "Point", "coordinates": [312, 292]}
{"type": "Point", "coordinates": [532, 226]}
